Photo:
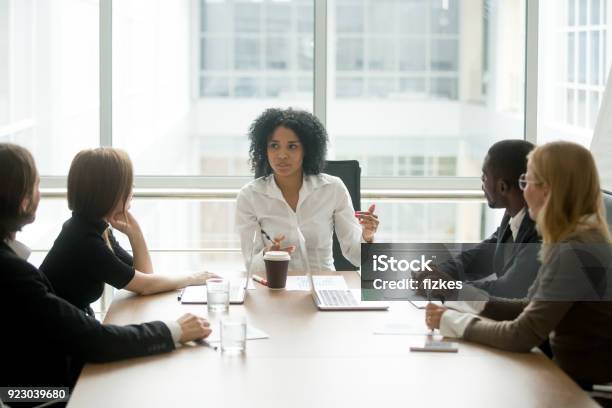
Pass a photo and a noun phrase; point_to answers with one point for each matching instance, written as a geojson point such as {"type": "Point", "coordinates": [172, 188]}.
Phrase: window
{"type": "Point", "coordinates": [49, 78]}
{"type": "Point", "coordinates": [573, 36]}
{"type": "Point", "coordinates": [186, 90]}
{"type": "Point", "coordinates": [412, 76]}
{"type": "Point", "coordinates": [415, 88]}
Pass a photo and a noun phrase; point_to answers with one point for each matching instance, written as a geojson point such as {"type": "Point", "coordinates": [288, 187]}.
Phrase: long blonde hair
{"type": "Point", "coordinates": [575, 200]}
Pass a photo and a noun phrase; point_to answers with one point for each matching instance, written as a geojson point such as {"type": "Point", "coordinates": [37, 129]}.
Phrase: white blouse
{"type": "Point", "coordinates": [324, 204]}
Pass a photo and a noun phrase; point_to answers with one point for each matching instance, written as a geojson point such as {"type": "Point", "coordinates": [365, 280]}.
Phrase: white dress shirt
{"type": "Point", "coordinates": [515, 223]}
{"type": "Point", "coordinates": [324, 205]}
{"type": "Point", "coordinates": [20, 249]}
{"type": "Point", "coordinates": [454, 323]}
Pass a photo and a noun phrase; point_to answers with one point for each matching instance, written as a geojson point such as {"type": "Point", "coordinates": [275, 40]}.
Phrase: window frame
{"type": "Point", "coordinates": [373, 187]}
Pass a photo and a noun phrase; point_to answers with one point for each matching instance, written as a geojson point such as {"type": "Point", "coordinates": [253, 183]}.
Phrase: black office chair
{"type": "Point", "coordinates": [350, 174]}
{"type": "Point", "coordinates": [607, 199]}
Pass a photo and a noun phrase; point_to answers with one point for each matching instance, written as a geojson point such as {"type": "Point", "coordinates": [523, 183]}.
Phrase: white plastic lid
{"type": "Point", "coordinates": [277, 256]}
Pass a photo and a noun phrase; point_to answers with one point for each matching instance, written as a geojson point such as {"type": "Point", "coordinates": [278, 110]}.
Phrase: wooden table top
{"type": "Point", "coordinates": [318, 359]}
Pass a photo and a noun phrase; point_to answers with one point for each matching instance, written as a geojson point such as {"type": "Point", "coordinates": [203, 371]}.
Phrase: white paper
{"type": "Point", "coordinates": [194, 295]}
{"type": "Point", "coordinates": [298, 283]}
{"type": "Point", "coordinates": [302, 283]}
{"type": "Point", "coordinates": [421, 304]}
{"type": "Point", "coordinates": [397, 328]}
{"type": "Point", "coordinates": [197, 294]}
{"type": "Point", "coordinates": [253, 333]}
{"type": "Point", "coordinates": [330, 282]}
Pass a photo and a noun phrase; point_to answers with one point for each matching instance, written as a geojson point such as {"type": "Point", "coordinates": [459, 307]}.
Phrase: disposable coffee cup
{"type": "Point", "coordinates": [277, 263]}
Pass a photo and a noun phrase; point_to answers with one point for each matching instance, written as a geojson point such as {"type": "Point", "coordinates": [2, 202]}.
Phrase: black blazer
{"type": "Point", "coordinates": [45, 340]}
{"type": "Point", "coordinates": [515, 265]}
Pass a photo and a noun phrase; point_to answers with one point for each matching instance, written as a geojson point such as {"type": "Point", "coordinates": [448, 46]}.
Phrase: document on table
{"type": "Point", "coordinates": [253, 333]}
{"type": "Point", "coordinates": [302, 283]}
{"type": "Point", "coordinates": [298, 283]}
{"type": "Point", "coordinates": [422, 304]}
{"type": "Point", "coordinates": [403, 328]}
{"type": "Point", "coordinates": [235, 277]}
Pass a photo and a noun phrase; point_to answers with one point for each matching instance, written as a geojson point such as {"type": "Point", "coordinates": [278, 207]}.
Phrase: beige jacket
{"type": "Point", "coordinates": [562, 307]}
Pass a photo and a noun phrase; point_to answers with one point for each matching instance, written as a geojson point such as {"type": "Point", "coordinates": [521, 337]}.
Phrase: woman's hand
{"type": "Point", "coordinates": [433, 315]}
{"type": "Point", "coordinates": [435, 275]}
{"type": "Point", "coordinates": [276, 246]}
{"type": "Point", "coordinates": [125, 223]}
{"type": "Point", "coordinates": [200, 278]}
{"type": "Point", "coordinates": [369, 223]}
{"type": "Point", "coordinates": [193, 328]}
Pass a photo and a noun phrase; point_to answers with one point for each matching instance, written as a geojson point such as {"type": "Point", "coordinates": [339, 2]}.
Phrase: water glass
{"type": "Point", "coordinates": [233, 335]}
{"type": "Point", "coordinates": [217, 294]}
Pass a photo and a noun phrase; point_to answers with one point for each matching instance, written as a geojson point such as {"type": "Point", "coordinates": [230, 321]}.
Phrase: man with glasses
{"type": "Point", "coordinates": [506, 263]}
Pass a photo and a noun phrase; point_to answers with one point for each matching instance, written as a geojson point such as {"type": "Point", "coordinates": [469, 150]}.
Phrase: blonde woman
{"type": "Point", "coordinates": [86, 254]}
{"type": "Point", "coordinates": [565, 304]}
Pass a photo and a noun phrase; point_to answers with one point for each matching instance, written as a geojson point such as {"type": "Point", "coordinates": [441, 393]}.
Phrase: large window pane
{"type": "Point", "coordinates": [573, 34]}
{"type": "Point", "coordinates": [412, 54]}
{"type": "Point", "coordinates": [411, 16]}
{"type": "Point", "coordinates": [185, 89]}
{"type": "Point", "coordinates": [444, 55]}
{"type": "Point", "coordinates": [247, 54]}
{"type": "Point", "coordinates": [350, 54]}
{"type": "Point", "coordinates": [444, 78]}
{"type": "Point", "coordinates": [381, 16]}
{"type": "Point", "coordinates": [445, 15]}
{"type": "Point", "coordinates": [49, 78]}
{"type": "Point", "coordinates": [380, 56]}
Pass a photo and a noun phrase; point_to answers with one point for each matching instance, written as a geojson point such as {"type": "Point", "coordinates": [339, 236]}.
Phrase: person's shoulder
{"type": "Point", "coordinates": [256, 185]}
{"type": "Point", "coordinates": [73, 229]}
{"type": "Point", "coordinates": [588, 235]}
{"type": "Point", "coordinates": [329, 178]}
{"type": "Point", "coordinates": [575, 245]}
{"type": "Point", "coordinates": [76, 235]}
{"type": "Point", "coordinates": [325, 179]}
{"type": "Point", "coordinates": [12, 265]}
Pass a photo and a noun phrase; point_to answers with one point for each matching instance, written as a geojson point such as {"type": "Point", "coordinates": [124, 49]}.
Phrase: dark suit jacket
{"type": "Point", "coordinates": [515, 265]}
{"type": "Point", "coordinates": [45, 339]}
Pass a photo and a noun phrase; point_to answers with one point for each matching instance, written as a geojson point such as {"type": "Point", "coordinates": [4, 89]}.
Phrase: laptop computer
{"type": "Point", "coordinates": [336, 296]}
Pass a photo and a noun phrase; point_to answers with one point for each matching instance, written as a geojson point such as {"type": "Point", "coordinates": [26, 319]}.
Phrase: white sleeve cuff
{"type": "Point", "coordinates": [175, 331]}
{"type": "Point", "coordinates": [453, 323]}
{"type": "Point", "coordinates": [476, 303]}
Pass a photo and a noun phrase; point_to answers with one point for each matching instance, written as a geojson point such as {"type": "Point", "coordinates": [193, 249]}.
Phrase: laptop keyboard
{"type": "Point", "coordinates": [331, 297]}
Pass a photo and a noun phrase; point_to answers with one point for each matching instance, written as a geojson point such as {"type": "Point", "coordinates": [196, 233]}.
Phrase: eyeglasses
{"type": "Point", "coordinates": [522, 182]}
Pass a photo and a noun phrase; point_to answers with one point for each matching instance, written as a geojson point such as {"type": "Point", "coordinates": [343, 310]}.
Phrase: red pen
{"type": "Point", "coordinates": [359, 214]}
{"type": "Point", "coordinates": [261, 280]}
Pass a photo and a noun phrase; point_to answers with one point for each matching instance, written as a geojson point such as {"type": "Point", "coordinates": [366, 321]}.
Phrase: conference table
{"type": "Point", "coordinates": [318, 359]}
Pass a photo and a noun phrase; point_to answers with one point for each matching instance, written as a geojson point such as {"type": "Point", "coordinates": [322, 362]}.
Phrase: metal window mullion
{"type": "Point", "coordinates": [193, 185]}
{"type": "Point", "coordinates": [320, 61]}
{"type": "Point", "coordinates": [11, 61]}
{"type": "Point", "coordinates": [263, 37]}
{"type": "Point", "coordinates": [106, 73]}
{"type": "Point", "coordinates": [531, 71]}
{"type": "Point", "coordinates": [106, 100]}
{"type": "Point", "coordinates": [197, 36]}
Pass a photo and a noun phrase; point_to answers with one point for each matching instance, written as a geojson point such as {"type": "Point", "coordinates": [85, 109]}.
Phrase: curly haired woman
{"type": "Point", "coordinates": [294, 206]}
